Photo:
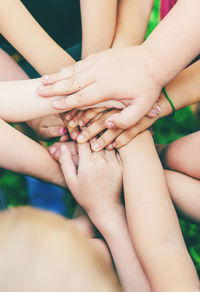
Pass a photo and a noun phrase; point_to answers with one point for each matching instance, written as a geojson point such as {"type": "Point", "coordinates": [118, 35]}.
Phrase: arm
{"type": "Point", "coordinates": [98, 25]}
{"type": "Point", "coordinates": [184, 90]}
{"type": "Point", "coordinates": [157, 236]}
{"type": "Point", "coordinates": [102, 203]}
{"type": "Point", "coordinates": [28, 37]}
{"type": "Point", "coordinates": [151, 65]}
{"type": "Point", "coordinates": [28, 104]}
{"type": "Point", "coordinates": [132, 22]}
{"type": "Point", "coordinates": [27, 157]}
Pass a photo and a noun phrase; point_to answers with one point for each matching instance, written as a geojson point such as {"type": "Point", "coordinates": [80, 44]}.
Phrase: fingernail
{"type": "Point", "coordinates": [72, 124]}
{"type": "Point", "coordinates": [81, 123]}
{"type": "Point", "coordinates": [110, 125]}
{"type": "Point", "coordinates": [114, 144]}
{"type": "Point", "coordinates": [59, 104]}
{"type": "Point", "coordinates": [63, 149]}
{"type": "Point", "coordinates": [63, 131]}
{"type": "Point", "coordinates": [154, 113]}
{"type": "Point", "coordinates": [109, 147]}
{"type": "Point", "coordinates": [74, 135]}
{"type": "Point", "coordinates": [81, 139]}
{"type": "Point", "coordinates": [95, 147]}
{"type": "Point", "coordinates": [68, 117]}
{"type": "Point", "coordinates": [41, 89]}
{"type": "Point", "coordinates": [46, 78]}
{"type": "Point", "coordinates": [52, 150]}
{"type": "Point", "coordinates": [158, 109]}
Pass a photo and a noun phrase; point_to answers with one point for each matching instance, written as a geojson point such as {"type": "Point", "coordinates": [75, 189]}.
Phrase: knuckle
{"type": "Point", "coordinates": [79, 97]}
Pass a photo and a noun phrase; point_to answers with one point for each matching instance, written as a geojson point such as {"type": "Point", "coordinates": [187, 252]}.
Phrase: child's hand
{"type": "Point", "coordinates": [75, 119]}
{"type": "Point", "coordinates": [112, 138]}
{"type": "Point", "coordinates": [97, 182]}
{"type": "Point", "coordinates": [123, 74]}
{"type": "Point", "coordinates": [55, 151]}
{"type": "Point", "coordinates": [49, 127]}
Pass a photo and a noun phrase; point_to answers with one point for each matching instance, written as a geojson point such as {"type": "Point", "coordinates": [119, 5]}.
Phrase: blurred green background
{"type": "Point", "coordinates": [165, 130]}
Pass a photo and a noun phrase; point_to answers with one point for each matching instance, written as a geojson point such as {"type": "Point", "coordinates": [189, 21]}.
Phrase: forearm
{"type": "Point", "coordinates": [157, 235]}
{"type": "Point", "coordinates": [132, 22]}
{"type": "Point", "coordinates": [184, 90]}
{"type": "Point", "coordinates": [113, 227]}
{"type": "Point", "coordinates": [98, 25]}
{"type": "Point", "coordinates": [174, 43]}
{"type": "Point", "coordinates": [28, 105]}
{"type": "Point", "coordinates": [29, 38]}
{"type": "Point", "coordinates": [21, 154]}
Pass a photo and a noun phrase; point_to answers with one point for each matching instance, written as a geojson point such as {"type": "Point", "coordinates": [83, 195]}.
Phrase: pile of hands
{"type": "Point", "coordinates": [91, 93]}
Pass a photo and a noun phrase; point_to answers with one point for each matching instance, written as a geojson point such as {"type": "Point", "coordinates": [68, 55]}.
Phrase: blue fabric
{"type": "Point", "coordinates": [46, 196]}
{"type": "Point", "coordinates": [3, 201]}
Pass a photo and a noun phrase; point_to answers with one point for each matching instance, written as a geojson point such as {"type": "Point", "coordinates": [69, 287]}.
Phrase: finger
{"type": "Point", "coordinates": [54, 150]}
{"type": "Point", "coordinates": [64, 138]}
{"type": "Point", "coordinates": [89, 115]}
{"type": "Point", "coordinates": [73, 132]}
{"type": "Point", "coordinates": [52, 132]}
{"type": "Point", "coordinates": [84, 152]}
{"type": "Point", "coordinates": [156, 110]}
{"type": "Point", "coordinates": [67, 165]}
{"type": "Point", "coordinates": [108, 104]}
{"type": "Point", "coordinates": [74, 122]}
{"type": "Point", "coordinates": [67, 86]}
{"type": "Point", "coordinates": [129, 116]}
{"type": "Point", "coordinates": [110, 147]}
{"type": "Point", "coordinates": [69, 115]}
{"type": "Point", "coordinates": [105, 139]}
{"type": "Point", "coordinates": [66, 72]}
{"type": "Point", "coordinates": [111, 154]}
{"type": "Point", "coordinates": [88, 96]}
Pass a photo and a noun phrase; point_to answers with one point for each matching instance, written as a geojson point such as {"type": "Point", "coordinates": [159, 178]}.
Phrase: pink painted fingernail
{"type": "Point", "coordinates": [95, 147]}
{"type": "Point", "coordinates": [74, 135]}
{"type": "Point", "coordinates": [52, 150]}
{"type": "Point", "coordinates": [158, 109]}
{"type": "Point", "coordinates": [68, 117]}
{"type": "Point", "coordinates": [110, 146]}
{"type": "Point", "coordinates": [154, 113]}
{"type": "Point", "coordinates": [81, 139]}
{"type": "Point", "coordinates": [110, 125]}
{"type": "Point", "coordinates": [63, 131]}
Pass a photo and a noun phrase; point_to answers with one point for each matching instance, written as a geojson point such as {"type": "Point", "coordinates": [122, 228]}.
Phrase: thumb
{"type": "Point", "coordinates": [131, 115]}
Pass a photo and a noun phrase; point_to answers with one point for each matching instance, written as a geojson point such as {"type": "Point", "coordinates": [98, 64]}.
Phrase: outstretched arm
{"type": "Point", "coordinates": [21, 154]}
{"type": "Point", "coordinates": [19, 27]}
{"type": "Point", "coordinates": [132, 22]}
{"type": "Point", "coordinates": [98, 25]}
{"type": "Point", "coordinates": [102, 203]}
{"type": "Point", "coordinates": [157, 236]}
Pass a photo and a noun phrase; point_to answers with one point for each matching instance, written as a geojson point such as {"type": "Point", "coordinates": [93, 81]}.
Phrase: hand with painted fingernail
{"type": "Point", "coordinates": [49, 127]}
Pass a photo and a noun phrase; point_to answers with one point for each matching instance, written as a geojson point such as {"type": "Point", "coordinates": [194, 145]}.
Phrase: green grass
{"type": "Point", "coordinates": [165, 130]}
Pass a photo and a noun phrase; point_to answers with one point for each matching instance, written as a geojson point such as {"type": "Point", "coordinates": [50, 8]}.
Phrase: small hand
{"type": "Point", "coordinates": [49, 127]}
{"type": "Point", "coordinates": [97, 182]}
{"type": "Point", "coordinates": [117, 74]}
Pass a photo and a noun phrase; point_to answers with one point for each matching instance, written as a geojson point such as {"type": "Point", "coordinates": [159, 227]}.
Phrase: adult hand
{"type": "Point", "coordinates": [125, 75]}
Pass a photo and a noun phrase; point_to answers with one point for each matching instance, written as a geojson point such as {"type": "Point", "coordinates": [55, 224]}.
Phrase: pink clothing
{"type": "Point", "coordinates": [165, 7]}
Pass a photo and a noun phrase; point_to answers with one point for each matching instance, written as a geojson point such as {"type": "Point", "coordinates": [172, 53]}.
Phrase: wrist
{"type": "Point", "coordinates": [153, 66]}
{"type": "Point", "coordinates": [108, 220]}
